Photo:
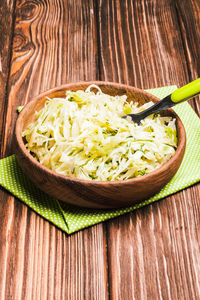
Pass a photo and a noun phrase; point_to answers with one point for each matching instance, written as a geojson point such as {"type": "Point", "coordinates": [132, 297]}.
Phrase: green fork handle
{"type": "Point", "coordinates": [186, 92]}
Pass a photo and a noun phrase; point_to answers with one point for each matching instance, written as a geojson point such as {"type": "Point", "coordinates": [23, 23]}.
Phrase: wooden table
{"type": "Point", "coordinates": [152, 253]}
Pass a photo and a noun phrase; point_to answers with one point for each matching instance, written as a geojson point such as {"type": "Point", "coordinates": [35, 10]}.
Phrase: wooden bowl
{"type": "Point", "coordinates": [95, 194]}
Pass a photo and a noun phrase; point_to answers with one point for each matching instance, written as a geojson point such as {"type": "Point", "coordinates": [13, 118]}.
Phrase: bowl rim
{"type": "Point", "coordinates": [144, 178]}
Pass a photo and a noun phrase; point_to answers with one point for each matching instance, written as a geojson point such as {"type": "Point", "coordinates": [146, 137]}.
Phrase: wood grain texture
{"type": "Point", "coordinates": [54, 42]}
{"type": "Point", "coordinates": [138, 50]}
{"type": "Point", "coordinates": [159, 243]}
{"type": "Point", "coordinates": [152, 253]}
{"type": "Point", "coordinates": [6, 34]}
{"type": "Point", "coordinates": [190, 32]}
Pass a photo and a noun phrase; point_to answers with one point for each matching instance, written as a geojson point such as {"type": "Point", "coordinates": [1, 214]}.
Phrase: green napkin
{"type": "Point", "coordinates": [70, 218]}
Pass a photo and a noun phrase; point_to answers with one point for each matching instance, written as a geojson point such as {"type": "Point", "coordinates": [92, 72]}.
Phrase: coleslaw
{"type": "Point", "coordinates": [84, 135]}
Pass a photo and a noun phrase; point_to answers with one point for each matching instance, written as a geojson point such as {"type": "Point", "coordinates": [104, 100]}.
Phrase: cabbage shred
{"type": "Point", "coordinates": [85, 136]}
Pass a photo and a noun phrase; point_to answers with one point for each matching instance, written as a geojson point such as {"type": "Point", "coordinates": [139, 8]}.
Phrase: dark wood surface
{"type": "Point", "coordinates": [152, 253]}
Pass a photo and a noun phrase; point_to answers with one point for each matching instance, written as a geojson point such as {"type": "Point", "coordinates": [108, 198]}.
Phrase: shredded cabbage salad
{"type": "Point", "coordinates": [85, 136]}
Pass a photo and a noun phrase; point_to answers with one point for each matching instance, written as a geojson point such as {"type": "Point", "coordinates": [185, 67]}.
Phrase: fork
{"type": "Point", "coordinates": [182, 94]}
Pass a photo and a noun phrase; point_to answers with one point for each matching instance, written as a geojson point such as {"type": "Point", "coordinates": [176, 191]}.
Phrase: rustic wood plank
{"type": "Point", "coordinates": [190, 31]}
{"type": "Point", "coordinates": [42, 58]}
{"type": "Point", "coordinates": [6, 25]}
{"type": "Point", "coordinates": [137, 49]}
{"type": "Point", "coordinates": [54, 42]}
{"type": "Point", "coordinates": [6, 32]}
{"type": "Point", "coordinates": [160, 244]}
{"type": "Point", "coordinates": [153, 252]}
{"type": "Point", "coordinates": [37, 258]}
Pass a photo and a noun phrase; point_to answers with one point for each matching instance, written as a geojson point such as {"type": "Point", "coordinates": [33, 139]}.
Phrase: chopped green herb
{"type": "Point", "coordinates": [155, 116]}
{"type": "Point", "coordinates": [92, 176]}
